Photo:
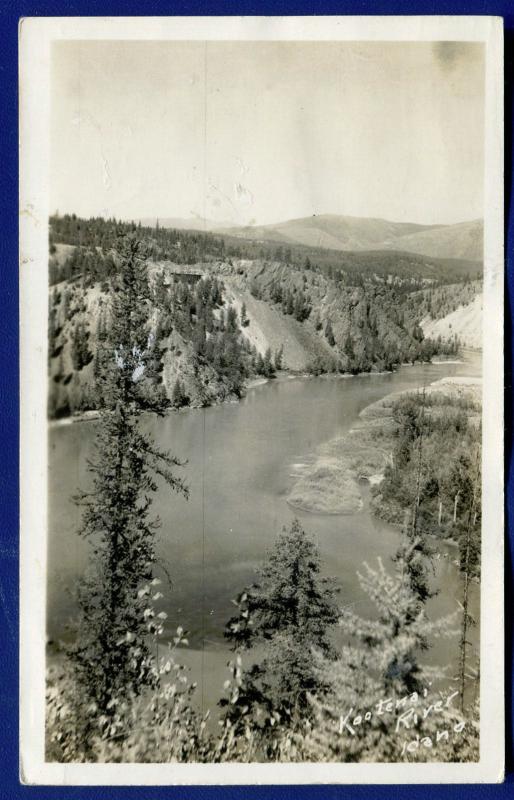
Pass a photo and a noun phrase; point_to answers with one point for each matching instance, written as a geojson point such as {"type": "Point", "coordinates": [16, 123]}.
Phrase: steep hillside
{"type": "Point", "coordinates": [465, 323]}
{"type": "Point", "coordinates": [217, 320]}
{"type": "Point", "coordinates": [438, 301]}
{"type": "Point", "coordinates": [365, 327]}
{"type": "Point", "coordinates": [217, 325]}
{"type": "Point", "coordinates": [197, 354]}
{"type": "Point", "coordinates": [269, 328]}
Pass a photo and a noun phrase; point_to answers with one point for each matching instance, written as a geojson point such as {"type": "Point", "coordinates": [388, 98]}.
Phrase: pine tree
{"type": "Point", "coordinates": [279, 358]}
{"type": "Point", "coordinates": [348, 347]}
{"type": "Point", "coordinates": [231, 320]}
{"type": "Point", "coordinates": [414, 553]}
{"type": "Point", "coordinates": [160, 291]}
{"type": "Point", "coordinates": [267, 363]}
{"type": "Point", "coordinates": [377, 677]}
{"type": "Point", "coordinates": [178, 398]}
{"type": "Point", "coordinates": [401, 631]}
{"type": "Point", "coordinates": [101, 330]}
{"type": "Point", "coordinates": [199, 338]}
{"type": "Point", "coordinates": [80, 353]}
{"type": "Point", "coordinates": [111, 657]}
{"type": "Point", "coordinates": [52, 331]}
{"type": "Point", "coordinates": [329, 333]}
{"type": "Point", "coordinates": [259, 364]}
{"type": "Point", "coordinates": [288, 613]}
{"type": "Point", "coordinates": [289, 303]}
{"type": "Point", "coordinates": [468, 564]}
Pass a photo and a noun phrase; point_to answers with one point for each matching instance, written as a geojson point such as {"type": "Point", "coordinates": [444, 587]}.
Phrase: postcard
{"type": "Point", "coordinates": [261, 278]}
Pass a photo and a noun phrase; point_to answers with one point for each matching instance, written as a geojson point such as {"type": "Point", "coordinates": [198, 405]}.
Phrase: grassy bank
{"type": "Point", "coordinates": [330, 485]}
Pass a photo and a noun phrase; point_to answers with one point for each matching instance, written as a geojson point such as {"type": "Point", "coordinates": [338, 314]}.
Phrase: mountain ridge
{"type": "Point", "coordinates": [463, 240]}
{"type": "Point", "coordinates": [347, 233]}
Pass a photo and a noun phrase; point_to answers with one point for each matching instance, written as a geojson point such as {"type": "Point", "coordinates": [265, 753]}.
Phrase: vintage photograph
{"type": "Point", "coordinates": [264, 468]}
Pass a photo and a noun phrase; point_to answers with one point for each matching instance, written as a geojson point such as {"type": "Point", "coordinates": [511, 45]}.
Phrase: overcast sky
{"type": "Point", "coordinates": [262, 132]}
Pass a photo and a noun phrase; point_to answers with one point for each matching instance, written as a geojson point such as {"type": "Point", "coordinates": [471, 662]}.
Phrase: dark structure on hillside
{"type": "Point", "coordinates": [184, 277]}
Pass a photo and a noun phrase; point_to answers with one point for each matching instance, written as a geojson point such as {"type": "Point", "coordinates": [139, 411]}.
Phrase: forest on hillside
{"type": "Point", "coordinates": [98, 236]}
{"type": "Point", "coordinates": [353, 320]}
{"type": "Point", "coordinates": [195, 336]}
{"type": "Point", "coordinates": [445, 492]}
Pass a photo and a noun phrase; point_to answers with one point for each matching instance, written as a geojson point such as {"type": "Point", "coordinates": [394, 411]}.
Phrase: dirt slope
{"type": "Point", "coordinates": [465, 321]}
{"type": "Point", "coordinates": [269, 328]}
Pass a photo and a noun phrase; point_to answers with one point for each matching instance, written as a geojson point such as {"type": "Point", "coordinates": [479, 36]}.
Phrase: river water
{"type": "Point", "coordinates": [241, 459]}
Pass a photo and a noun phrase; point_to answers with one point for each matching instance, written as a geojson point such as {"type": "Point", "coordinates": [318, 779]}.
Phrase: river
{"type": "Point", "coordinates": [241, 458]}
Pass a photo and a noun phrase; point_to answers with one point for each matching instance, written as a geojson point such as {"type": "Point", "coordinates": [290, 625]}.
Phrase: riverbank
{"type": "Point", "coordinates": [330, 484]}
{"type": "Point", "coordinates": [84, 416]}
{"type": "Point", "coordinates": [252, 383]}
{"type": "Point", "coordinates": [94, 414]}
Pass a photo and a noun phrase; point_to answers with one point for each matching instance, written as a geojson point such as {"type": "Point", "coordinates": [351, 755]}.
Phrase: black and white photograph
{"type": "Point", "coordinates": [266, 334]}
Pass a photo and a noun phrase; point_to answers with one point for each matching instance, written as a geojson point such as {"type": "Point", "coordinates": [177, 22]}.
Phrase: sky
{"type": "Point", "coordinates": [261, 132]}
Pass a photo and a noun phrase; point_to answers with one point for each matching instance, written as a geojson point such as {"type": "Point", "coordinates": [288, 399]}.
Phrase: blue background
{"type": "Point", "coordinates": [9, 395]}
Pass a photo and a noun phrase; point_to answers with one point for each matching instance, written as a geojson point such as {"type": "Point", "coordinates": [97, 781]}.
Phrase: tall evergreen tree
{"type": "Point", "coordinates": [355, 719]}
{"type": "Point", "coordinates": [414, 553]}
{"type": "Point", "coordinates": [288, 614]}
{"type": "Point", "coordinates": [329, 333]}
{"type": "Point", "coordinates": [279, 357]}
{"type": "Point", "coordinates": [111, 655]}
{"type": "Point", "coordinates": [268, 363]}
{"type": "Point", "coordinates": [80, 353]}
{"type": "Point", "coordinates": [469, 568]}
{"type": "Point", "coordinates": [52, 330]}
{"type": "Point", "coordinates": [178, 398]}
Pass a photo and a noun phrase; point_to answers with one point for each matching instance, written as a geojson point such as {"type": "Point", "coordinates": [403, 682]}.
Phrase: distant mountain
{"type": "Point", "coordinates": [463, 240]}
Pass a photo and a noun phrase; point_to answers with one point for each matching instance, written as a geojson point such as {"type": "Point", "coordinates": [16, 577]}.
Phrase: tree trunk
{"type": "Point", "coordinates": [455, 504]}
{"type": "Point", "coordinates": [466, 619]}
